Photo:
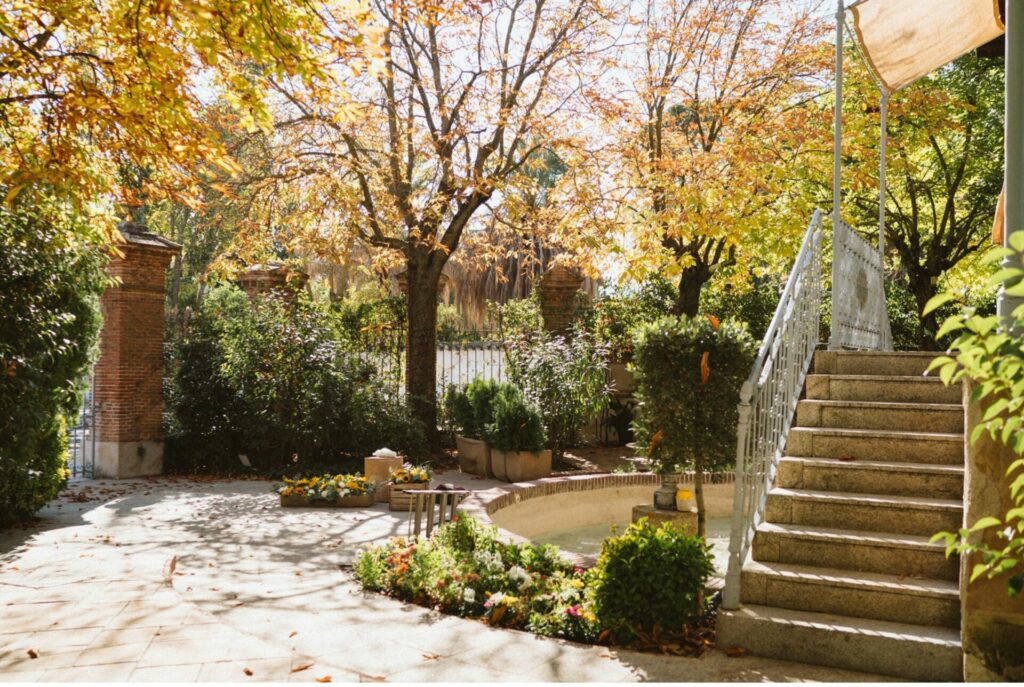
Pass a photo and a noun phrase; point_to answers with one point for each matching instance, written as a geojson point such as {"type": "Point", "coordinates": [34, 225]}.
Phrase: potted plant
{"type": "Point", "coordinates": [406, 478]}
{"type": "Point", "coordinates": [471, 412]}
{"type": "Point", "coordinates": [517, 439]}
{"type": "Point", "coordinates": [327, 491]}
{"type": "Point", "coordinates": [689, 374]}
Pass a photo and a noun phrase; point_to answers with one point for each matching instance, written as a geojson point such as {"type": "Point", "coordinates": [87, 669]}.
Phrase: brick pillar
{"type": "Point", "coordinates": [272, 276]}
{"type": "Point", "coordinates": [128, 385]}
{"type": "Point", "coordinates": [558, 289]}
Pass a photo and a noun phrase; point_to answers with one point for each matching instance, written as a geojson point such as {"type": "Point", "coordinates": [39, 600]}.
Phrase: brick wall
{"type": "Point", "coordinates": [129, 373]}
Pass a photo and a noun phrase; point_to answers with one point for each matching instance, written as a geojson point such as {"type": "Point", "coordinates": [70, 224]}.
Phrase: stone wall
{"type": "Point", "coordinates": [992, 624]}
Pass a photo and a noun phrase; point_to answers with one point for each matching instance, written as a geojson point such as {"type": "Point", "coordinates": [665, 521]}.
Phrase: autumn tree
{"type": "Point", "coordinates": [469, 95]}
{"type": "Point", "coordinates": [945, 138]}
{"type": "Point", "coordinates": [89, 88]}
{"type": "Point", "coordinates": [709, 128]}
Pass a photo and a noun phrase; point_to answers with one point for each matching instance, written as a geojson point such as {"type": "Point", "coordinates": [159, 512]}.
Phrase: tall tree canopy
{"type": "Point", "coordinates": [470, 94]}
{"type": "Point", "coordinates": [91, 87]}
{"type": "Point", "coordinates": [709, 130]}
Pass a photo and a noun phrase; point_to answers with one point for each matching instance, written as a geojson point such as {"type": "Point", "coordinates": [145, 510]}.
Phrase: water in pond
{"type": "Point", "coordinates": [587, 539]}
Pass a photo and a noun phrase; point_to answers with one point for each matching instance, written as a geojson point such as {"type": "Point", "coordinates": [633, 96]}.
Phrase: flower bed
{"type": "Point", "coordinates": [327, 491]}
{"type": "Point", "coordinates": [646, 590]}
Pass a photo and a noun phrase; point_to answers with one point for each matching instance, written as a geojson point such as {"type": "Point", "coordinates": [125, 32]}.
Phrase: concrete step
{"type": "Point", "coordinates": [903, 363]}
{"type": "Point", "coordinates": [915, 652]}
{"type": "Point", "coordinates": [880, 388]}
{"type": "Point", "coordinates": [898, 554]}
{"type": "Point", "coordinates": [875, 444]}
{"type": "Point", "coordinates": [914, 417]}
{"type": "Point", "coordinates": [871, 477]}
{"type": "Point", "coordinates": [870, 512]}
{"type": "Point", "coordinates": [852, 593]}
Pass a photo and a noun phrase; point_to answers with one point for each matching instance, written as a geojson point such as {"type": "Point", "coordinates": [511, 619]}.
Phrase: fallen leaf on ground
{"type": "Point", "coordinates": [247, 671]}
{"type": "Point", "coordinates": [303, 666]}
{"type": "Point", "coordinates": [847, 458]}
{"type": "Point", "coordinates": [325, 678]}
{"type": "Point", "coordinates": [735, 652]}
{"type": "Point", "coordinates": [32, 653]}
{"type": "Point", "coordinates": [431, 657]}
{"type": "Point", "coordinates": [293, 633]}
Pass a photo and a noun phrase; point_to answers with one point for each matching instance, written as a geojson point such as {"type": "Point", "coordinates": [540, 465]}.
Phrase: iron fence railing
{"type": "Point", "coordinates": [82, 435]}
{"type": "Point", "coordinates": [768, 399]}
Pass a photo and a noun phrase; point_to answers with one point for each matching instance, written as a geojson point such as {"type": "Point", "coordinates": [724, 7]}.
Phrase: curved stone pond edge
{"type": "Point", "coordinates": [485, 503]}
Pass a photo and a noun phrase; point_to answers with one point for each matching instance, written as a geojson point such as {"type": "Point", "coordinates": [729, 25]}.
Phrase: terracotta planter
{"type": "Point", "coordinates": [520, 466]}
{"type": "Point", "coordinates": [399, 500]}
{"type": "Point", "coordinates": [360, 501]}
{"type": "Point", "coordinates": [474, 456]}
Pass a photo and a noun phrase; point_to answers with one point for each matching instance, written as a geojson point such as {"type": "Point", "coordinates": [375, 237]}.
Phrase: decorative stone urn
{"type": "Point", "coordinates": [665, 495]}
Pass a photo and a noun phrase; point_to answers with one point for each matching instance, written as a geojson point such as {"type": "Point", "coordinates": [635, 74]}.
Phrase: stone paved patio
{"type": "Point", "coordinates": [259, 593]}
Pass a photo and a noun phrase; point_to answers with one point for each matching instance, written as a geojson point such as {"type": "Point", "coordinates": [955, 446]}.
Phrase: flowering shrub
{"type": "Point", "coordinates": [326, 487]}
{"type": "Point", "coordinates": [410, 474]}
{"type": "Point", "coordinates": [466, 570]}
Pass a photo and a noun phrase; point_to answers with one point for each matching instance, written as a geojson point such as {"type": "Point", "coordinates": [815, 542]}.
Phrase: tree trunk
{"type": "Point", "coordinates": [924, 290]}
{"type": "Point", "coordinates": [691, 281]}
{"type": "Point", "coordinates": [421, 351]}
{"type": "Point", "coordinates": [698, 495]}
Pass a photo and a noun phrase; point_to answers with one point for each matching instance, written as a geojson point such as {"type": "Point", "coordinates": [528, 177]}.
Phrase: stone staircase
{"type": "Point", "coordinates": [842, 572]}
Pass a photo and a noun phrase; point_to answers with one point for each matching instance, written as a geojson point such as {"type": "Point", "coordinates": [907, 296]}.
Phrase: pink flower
{"type": "Point", "coordinates": [574, 611]}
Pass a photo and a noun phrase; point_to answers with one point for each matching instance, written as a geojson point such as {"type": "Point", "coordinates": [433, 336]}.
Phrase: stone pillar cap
{"type": "Point", "coordinates": [135, 233]}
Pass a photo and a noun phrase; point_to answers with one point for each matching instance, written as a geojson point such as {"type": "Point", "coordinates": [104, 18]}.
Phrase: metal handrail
{"type": "Point", "coordinates": [768, 399]}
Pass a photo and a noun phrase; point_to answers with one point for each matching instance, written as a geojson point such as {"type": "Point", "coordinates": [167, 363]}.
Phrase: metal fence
{"type": "Point", "coordinates": [82, 435]}
{"type": "Point", "coordinates": [461, 357]}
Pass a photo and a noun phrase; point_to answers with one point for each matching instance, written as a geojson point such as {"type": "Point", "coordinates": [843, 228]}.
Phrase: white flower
{"type": "Point", "coordinates": [469, 595]}
{"type": "Point", "coordinates": [494, 600]}
{"type": "Point", "coordinates": [521, 576]}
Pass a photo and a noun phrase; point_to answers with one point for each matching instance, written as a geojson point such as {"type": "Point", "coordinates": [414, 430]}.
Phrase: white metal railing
{"type": "Point", "coordinates": [859, 316]}
{"type": "Point", "coordinates": [769, 396]}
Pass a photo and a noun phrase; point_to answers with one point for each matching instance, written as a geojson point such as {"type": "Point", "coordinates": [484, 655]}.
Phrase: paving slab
{"type": "Point", "coordinates": [169, 579]}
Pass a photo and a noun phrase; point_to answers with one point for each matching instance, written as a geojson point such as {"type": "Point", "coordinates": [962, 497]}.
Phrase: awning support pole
{"type": "Point", "coordinates": [837, 143]}
{"type": "Point", "coordinates": [1014, 142]}
{"type": "Point", "coordinates": [881, 172]}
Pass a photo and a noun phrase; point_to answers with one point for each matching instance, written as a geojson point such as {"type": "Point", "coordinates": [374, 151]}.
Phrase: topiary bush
{"type": "Point", "coordinates": [688, 375]}
{"type": "Point", "coordinates": [517, 424]}
{"type": "Point", "coordinates": [472, 407]}
{"type": "Point", "coordinates": [49, 324]}
{"type": "Point", "coordinates": [650, 577]}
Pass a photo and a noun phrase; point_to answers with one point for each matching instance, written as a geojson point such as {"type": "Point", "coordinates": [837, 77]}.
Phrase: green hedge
{"type": "Point", "coordinates": [49, 323]}
{"type": "Point", "coordinates": [273, 380]}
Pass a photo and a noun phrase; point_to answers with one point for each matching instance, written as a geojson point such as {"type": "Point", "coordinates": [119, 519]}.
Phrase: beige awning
{"type": "Point", "coordinates": [906, 39]}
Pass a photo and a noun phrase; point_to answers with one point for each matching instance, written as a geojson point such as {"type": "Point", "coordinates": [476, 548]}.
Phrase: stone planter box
{"type": "Point", "coordinates": [622, 379]}
{"type": "Point", "coordinates": [360, 501]}
{"type": "Point", "coordinates": [474, 456]}
{"type": "Point", "coordinates": [520, 466]}
{"type": "Point", "coordinates": [399, 500]}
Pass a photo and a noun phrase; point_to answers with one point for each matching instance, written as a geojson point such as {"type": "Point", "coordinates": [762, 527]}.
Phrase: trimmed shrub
{"type": "Point", "coordinates": [49, 325]}
{"type": "Point", "coordinates": [472, 407]}
{"type": "Point", "coordinates": [650, 577]}
{"type": "Point", "coordinates": [517, 424]}
{"type": "Point", "coordinates": [688, 374]}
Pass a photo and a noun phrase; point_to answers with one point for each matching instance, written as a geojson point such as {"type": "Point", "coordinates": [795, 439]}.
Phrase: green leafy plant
{"type": "Point", "coordinates": [272, 380]}
{"type": "Point", "coordinates": [650, 577]}
{"type": "Point", "coordinates": [565, 377]}
{"type": "Point", "coordinates": [688, 374]}
{"type": "Point", "coordinates": [49, 322]}
{"type": "Point", "coordinates": [471, 407]}
{"type": "Point", "coordinates": [517, 424]}
{"type": "Point", "coordinates": [993, 357]}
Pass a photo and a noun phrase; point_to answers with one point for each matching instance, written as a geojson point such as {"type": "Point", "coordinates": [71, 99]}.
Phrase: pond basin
{"type": "Point", "coordinates": [577, 513]}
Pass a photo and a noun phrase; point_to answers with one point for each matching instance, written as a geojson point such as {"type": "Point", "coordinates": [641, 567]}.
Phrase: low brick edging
{"type": "Point", "coordinates": [482, 504]}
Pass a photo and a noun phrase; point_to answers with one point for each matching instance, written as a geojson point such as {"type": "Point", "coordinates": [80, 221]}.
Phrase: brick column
{"type": "Point", "coordinates": [558, 289]}
{"type": "Point", "coordinates": [273, 276]}
{"type": "Point", "coordinates": [128, 385]}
